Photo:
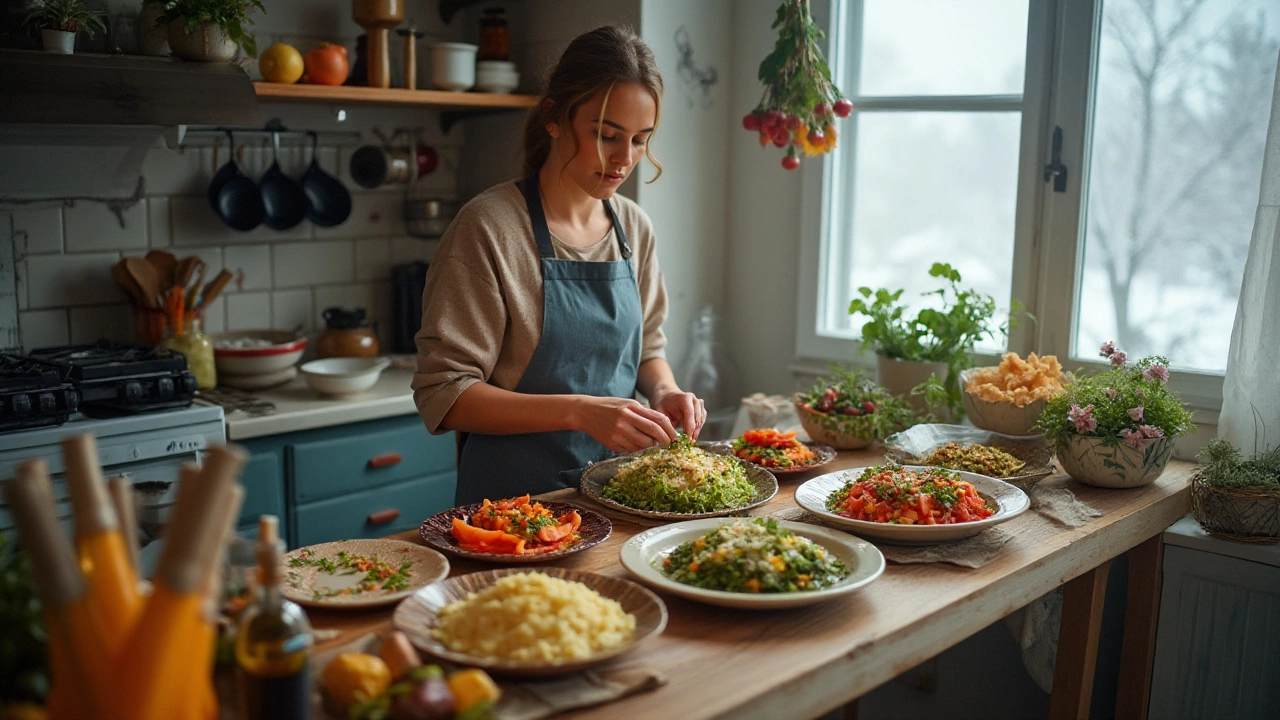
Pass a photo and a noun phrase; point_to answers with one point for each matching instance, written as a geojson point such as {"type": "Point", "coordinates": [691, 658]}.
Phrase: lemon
{"type": "Point", "coordinates": [352, 673]}
{"type": "Point", "coordinates": [281, 63]}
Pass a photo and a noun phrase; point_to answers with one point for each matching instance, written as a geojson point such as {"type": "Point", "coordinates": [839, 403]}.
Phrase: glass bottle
{"type": "Point", "coordinates": [273, 643]}
{"type": "Point", "coordinates": [190, 339]}
{"type": "Point", "coordinates": [709, 373]}
{"type": "Point", "coordinates": [494, 42]}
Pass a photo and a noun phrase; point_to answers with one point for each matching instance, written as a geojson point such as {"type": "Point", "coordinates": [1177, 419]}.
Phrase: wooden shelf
{"type": "Point", "coordinates": [390, 97]}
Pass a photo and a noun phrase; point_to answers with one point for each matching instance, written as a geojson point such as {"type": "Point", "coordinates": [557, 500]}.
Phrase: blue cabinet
{"type": "Point", "coordinates": [366, 479]}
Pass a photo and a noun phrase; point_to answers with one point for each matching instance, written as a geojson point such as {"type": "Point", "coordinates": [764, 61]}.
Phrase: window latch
{"type": "Point", "coordinates": [1055, 170]}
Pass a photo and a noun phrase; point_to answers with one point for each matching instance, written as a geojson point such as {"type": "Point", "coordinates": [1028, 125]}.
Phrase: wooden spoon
{"type": "Point", "coordinates": [122, 277]}
{"type": "Point", "coordinates": [144, 273]}
{"type": "Point", "coordinates": [165, 264]}
{"type": "Point", "coordinates": [215, 287]}
{"type": "Point", "coordinates": [186, 269]}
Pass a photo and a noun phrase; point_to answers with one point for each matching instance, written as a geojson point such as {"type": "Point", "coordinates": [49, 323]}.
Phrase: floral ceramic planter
{"type": "Point", "coordinates": [842, 432]}
{"type": "Point", "coordinates": [208, 43]}
{"type": "Point", "coordinates": [1109, 463]}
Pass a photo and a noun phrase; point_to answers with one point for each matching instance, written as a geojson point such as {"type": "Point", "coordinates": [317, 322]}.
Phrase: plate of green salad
{"type": "Point", "coordinates": [680, 481]}
{"type": "Point", "coordinates": [751, 563]}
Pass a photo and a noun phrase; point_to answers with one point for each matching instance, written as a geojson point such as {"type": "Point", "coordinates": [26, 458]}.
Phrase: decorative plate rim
{"type": "Point", "coordinates": [755, 474]}
{"type": "Point", "coordinates": [297, 596]}
{"type": "Point", "coordinates": [446, 544]}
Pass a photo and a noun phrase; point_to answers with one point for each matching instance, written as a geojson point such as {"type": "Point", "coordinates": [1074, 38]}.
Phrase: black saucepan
{"type": "Point", "coordinates": [234, 196]}
{"type": "Point", "coordinates": [285, 201]}
{"type": "Point", "coordinates": [328, 201]}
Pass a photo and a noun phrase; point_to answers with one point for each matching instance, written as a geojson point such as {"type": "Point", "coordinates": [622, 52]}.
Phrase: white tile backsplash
{"type": "Point", "coordinates": [195, 224]}
{"type": "Point", "coordinates": [251, 265]}
{"type": "Point", "coordinates": [43, 328]}
{"type": "Point", "coordinates": [159, 233]}
{"type": "Point", "coordinates": [248, 311]}
{"type": "Point", "coordinates": [312, 263]}
{"type": "Point", "coordinates": [411, 249]}
{"type": "Point", "coordinates": [109, 322]}
{"type": "Point", "coordinates": [93, 227]}
{"type": "Point", "coordinates": [214, 317]}
{"type": "Point", "coordinates": [67, 280]}
{"type": "Point", "coordinates": [375, 298]}
{"type": "Point", "coordinates": [42, 228]}
{"type": "Point", "coordinates": [292, 309]}
{"type": "Point", "coordinates": [373, 214]}
{"type": "Point", "coordinates": [373, 259]}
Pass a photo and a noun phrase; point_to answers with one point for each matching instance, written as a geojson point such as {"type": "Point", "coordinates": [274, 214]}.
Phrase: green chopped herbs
{"type": "Point", "coordinates": [681, 478]}
{"type": "Point", "coordinates": [378, 573]}
{"type": "Point", "coordinates": [754, 556]}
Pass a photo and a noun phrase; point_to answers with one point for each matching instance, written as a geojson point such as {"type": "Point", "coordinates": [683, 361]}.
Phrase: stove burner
{"type": "Point", "coordinates": [33, 394]}
{"type": "Point", "coordinates": [115, 379]}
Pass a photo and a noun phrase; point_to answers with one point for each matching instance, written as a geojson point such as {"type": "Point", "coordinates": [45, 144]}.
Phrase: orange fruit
{"type": "Point", "coordinates": [281, 63]}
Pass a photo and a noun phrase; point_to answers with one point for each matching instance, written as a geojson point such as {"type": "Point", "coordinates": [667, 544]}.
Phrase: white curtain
{"type": "Point", "coordinates": [1251, 391]}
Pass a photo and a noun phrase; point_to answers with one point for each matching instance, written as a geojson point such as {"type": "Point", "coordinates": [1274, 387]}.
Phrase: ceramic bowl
{"type": "Point", "coordinates": [453, 65]}
{"type": "Point", "coordinates": [1108, 463]}
{"type": "Point", "coordinates": [256, 352]}
{"type": "Point", "coordinates": [499, 83]}
{"type": "Point", "coordinates": [842, 432]}
{"type": "Point", "coordinates": [1003, 417]}
{"type": "Point", "coordinates": [343, 376]}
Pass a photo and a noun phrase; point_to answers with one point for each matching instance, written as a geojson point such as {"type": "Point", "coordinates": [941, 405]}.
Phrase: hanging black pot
{"type": "Point", "coordinates": [329, 202]}
{"type": "Point", "coordinates": [234, 196]}
{"type": "Point", "coordinates": [284, 198]}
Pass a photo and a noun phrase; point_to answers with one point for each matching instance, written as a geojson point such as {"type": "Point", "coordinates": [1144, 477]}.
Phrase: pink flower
{"type": "Point", "coordinates": [1136, 413]}
{"type": "Point", "coordinates": [1150, 432]}
{"type": "Point", "coordinates": [1157, 372]}
{"type": "Point", "coordinates": [1133, 438]}
{"type": "Point", "coordinates": [1119, 358]}
{"type": "Point", "coordinates": [1082, 418]}
{"type": "Point", "coordinates": [1111, 393]}
{"type": "Point", "coordinates": [1108, 349]}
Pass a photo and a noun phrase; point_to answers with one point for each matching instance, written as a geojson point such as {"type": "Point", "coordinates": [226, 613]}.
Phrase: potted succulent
{"type": "Point", "coordinates": [61, 20]}
{"type": "Point", "coordinates": [210, 30]}
{"type": "Point", "coordinates": [1116, 429]}
{"type": "Point", "coordinates": [933, 342]}
{"type": "Point", "coordinates": [848, 411]}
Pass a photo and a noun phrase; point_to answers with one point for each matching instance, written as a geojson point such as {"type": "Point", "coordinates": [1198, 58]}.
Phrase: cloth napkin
{"type": "Point", "coordinates": [521, 699]}
{"type": "Point", "coordinates": [1054, 500]}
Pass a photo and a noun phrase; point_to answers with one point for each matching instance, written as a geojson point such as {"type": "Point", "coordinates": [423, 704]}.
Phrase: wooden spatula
{"type": "Point", "coordinates": [166, 264]}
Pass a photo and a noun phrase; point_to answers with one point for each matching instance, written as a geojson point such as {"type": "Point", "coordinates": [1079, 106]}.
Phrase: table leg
{"type": "Point", "coordinates": [1138, 650]}
{"type": "Point", "coordinates": [1078, 645]}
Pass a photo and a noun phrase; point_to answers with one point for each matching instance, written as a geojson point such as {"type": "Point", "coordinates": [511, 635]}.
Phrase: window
{"type": "Point", "coordinates": [1162, 108]}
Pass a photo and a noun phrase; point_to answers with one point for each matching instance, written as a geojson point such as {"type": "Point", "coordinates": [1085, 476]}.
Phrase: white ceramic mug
{"type": "Point", "coordinates": [453, 65]}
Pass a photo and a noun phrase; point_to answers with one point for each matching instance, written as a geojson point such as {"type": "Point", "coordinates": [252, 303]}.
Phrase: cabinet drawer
{"type": "Point", "coordinates": [373, 513]}
{"type": "Point", "coordinates": [366, 455]}
{"type": "Point", "coordinates": [263, 480]}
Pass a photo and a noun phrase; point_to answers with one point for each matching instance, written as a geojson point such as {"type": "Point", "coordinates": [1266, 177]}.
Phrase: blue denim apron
{"type": "Point", "coordinates": [592, 327]}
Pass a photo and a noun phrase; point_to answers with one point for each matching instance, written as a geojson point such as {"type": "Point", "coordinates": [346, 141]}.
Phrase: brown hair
{"type": "Point", "coordinates": [594, 62]}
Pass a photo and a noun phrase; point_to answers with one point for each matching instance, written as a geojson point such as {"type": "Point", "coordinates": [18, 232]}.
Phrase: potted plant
{"type": "Point", "coordinates": [210, 30]}
{"type": "Point", "coordinates": [1115, 429]}
{"type": "Point", "coordinates": [848, 411]}
{"type": "Point", "coordinates": [1237, 498]}
{"type": "Point", "coordinates": [933, 342]}
{"type": "Point", "coordinates": [61, 20]}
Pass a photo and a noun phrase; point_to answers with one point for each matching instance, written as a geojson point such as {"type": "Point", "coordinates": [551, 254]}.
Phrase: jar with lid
{"type": "Point", "coordinates": [494, 42]}
{"type": "Point", "coordinates": [191, 340]}
{"type": "Point", "coordinates": [347, 334]}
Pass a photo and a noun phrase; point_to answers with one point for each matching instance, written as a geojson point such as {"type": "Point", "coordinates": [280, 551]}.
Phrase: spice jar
{"type": "Point", "coordinates": [494, 43]}
{"type": "Point", "coordinates": [347, 334]}
{"type": "Point", "coordinates": [191, 340]}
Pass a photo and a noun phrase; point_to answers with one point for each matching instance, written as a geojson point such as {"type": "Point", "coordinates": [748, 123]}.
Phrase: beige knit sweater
{"type": "Point", "coordinates": [482, 306]}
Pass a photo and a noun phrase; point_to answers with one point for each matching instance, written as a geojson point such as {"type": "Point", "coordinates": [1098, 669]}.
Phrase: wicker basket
{"type": "Point", "coordinates": [1236, 513]}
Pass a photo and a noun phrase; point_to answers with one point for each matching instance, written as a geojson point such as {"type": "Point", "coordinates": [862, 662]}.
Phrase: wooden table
{"type": "Point", "coordinates": [805, 662]}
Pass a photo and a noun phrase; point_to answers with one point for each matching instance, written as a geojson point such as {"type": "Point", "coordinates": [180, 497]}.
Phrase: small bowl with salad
{"type": "Point", "coordinates": [1020, 460]}
{"type": "Point", "coordinates": [849, 411]}
{"type": "Point", "coordinates": [679, 481]}
{"type": "Point", "coordinates": [751, 563]}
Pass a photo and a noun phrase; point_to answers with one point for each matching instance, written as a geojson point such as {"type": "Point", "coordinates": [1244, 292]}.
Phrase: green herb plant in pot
{"type": "Point", "coordinates": [210, 30]}
{"type": "Point", "coordinates": [848, 411]}
{"type": "Point", "coordinates": [933, 342]}
{"type": "Point", "coordinates": [1116, 429]}
{"type": "Point", "coordinates": [1235, 497]}
{"type": "Point", "coordinates": [61, 20]}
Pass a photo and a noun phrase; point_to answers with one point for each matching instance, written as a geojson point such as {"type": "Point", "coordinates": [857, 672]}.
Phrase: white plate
{"type": "Point", "coordinates": [812, 496]}
{"type": "Point", "coordinates": [642, 552]}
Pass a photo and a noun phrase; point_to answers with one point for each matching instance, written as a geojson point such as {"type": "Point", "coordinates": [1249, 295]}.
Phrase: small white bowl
{"type": "Point", "coordinates": [453, 65]}
{"type": "Point", "coordinates": [495, 65]}
{"type": "Point", "coordinates": [498, 84]}
{"type": "Point", "coordinates": [343, 376]}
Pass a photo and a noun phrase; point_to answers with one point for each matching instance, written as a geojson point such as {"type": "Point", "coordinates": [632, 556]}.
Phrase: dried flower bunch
{"type": "Point", "coordinates": [800, 103]}
{"type": "Point", "coordinates": [1129, 403]}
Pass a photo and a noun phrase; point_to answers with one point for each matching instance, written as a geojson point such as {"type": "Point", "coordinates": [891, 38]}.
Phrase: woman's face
{"type": "Point", "coordinates": [620, 139]}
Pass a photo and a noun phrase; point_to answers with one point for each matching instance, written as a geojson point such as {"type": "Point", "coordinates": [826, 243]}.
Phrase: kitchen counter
{"type": "Point", "coordinates": [298, 407]}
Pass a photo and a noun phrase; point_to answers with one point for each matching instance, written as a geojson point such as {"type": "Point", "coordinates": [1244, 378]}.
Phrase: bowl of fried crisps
{"type": "Point", "coordinates": [1009, 398]}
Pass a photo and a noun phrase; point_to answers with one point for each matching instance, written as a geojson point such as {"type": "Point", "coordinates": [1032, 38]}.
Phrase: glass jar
{"type": "Point", "coordinates": [347, 334]}
{"type": "Point", "coordinates": [191, 341]}
{"type": "Point", "coordinates": [494, 43]}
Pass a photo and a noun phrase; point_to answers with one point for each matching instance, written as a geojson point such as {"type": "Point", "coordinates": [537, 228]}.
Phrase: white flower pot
{"type": "Point", "coordinates": [208, 43]}
{"type": "Point", "coordinates": [1103, 463]}
{"type": "Point", "coordinates": [60, 42]}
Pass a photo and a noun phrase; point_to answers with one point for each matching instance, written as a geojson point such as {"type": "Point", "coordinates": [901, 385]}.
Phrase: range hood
{"type": "Point", "coordinates": [90, 89]}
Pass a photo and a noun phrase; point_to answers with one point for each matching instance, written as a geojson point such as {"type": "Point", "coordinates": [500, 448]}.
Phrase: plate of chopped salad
{"type": "Point", "coordinates": [778, 452]}
{"type": "Point", "coordinates": [359, 573]}
{"type": "Point", "coordinates": [910, 504]}
{"type": "Point", "coordinates": [515, 530]}
{"type": "Point", "coordinates": [752, 563]}
{"type": "Point", "coordinates": [680, 481]}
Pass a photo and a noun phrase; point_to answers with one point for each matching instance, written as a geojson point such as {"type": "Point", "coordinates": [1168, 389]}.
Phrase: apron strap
{"type": "Point", "coordinates": [538, 217]}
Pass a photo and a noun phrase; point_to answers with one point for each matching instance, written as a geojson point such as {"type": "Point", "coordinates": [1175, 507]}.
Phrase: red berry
{"type": "Point", "coordinates": [868, 406]}
{"type": "Point", "coordinates": [792, 122]}
{"type": "Point", "coordinates": [790, 162]}
{"type": "Point", "coordinates": [820, 109]}
{"type": "Point", "coordinates": [817, 138]}
{"type": "Point", "coordinates": [751, 122]}
{"type": "Point", "coordinates": [780, 140]}
{"type": "Point", "coordinates": [843, 107]}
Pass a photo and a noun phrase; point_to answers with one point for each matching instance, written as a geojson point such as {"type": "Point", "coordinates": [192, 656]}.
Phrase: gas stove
{"type": "Point", "coordinates": [33, 394]}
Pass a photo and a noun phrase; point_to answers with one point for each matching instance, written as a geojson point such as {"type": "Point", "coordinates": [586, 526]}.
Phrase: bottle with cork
{"type": "Point", "coordinates": [273, 644]}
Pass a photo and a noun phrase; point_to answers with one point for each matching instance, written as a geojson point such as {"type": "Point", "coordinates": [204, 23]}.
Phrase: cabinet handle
{"type": "Point", "coordinates": [381, 461]}
{"type": "Point", "coordinates": [382, 517]}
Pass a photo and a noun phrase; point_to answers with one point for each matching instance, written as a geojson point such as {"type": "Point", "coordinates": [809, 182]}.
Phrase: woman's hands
{"type": "Point", "coordinates": [685, 409]}
{"type": "Point", "coordinates": [623, 425]}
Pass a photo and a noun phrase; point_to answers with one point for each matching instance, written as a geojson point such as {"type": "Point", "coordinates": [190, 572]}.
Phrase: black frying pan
{"type": "Point", "coordinates": [328, 201]}
{"type": "Point", "coordinates": [284, 198]}
{"type": "Point", "coordinates": [235, 197]}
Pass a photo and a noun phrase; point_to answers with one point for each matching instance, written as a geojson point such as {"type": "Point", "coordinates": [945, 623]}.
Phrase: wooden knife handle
{"type": "Point", "coordinates": [216, 286]}
{"type": "Point", "coordinates": [382, 517]}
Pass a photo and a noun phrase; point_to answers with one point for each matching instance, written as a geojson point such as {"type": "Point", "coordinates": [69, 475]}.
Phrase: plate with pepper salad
{"type": "Point", "coordinates": [911, 504]}
{"type": "Point", "coordinates": [778, 452]}
{"type": "Point", "coordinates": [515, 530]}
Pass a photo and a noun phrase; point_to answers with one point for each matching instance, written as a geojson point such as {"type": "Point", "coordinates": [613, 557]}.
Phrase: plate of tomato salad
{"type": "Point", "coordinates": [778, 452]}
{"type": "Point", "coordinates": [515, 530]}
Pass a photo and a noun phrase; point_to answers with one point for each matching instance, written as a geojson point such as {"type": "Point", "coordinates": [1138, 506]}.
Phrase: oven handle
{"type": "Point", "coordinates": [382, 517]}
{"type": "Point", "coordinates": [387, 460]}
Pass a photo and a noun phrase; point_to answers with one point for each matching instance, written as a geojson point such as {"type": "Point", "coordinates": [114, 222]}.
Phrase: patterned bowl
{"type": "Point", "coordinates": [1109, 463]}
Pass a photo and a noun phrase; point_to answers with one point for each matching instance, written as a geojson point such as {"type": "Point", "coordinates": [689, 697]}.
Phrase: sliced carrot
{"type": "Point", "coordinates": [471, 535]}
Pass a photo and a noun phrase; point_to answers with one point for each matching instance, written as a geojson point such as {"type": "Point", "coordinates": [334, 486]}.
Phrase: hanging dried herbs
{"type": "Point", "coordinates": [800, 103]}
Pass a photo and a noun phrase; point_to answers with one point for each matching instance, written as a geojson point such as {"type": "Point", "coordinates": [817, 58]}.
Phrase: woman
{"type": "Point", "coordinates": [543, 309]}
